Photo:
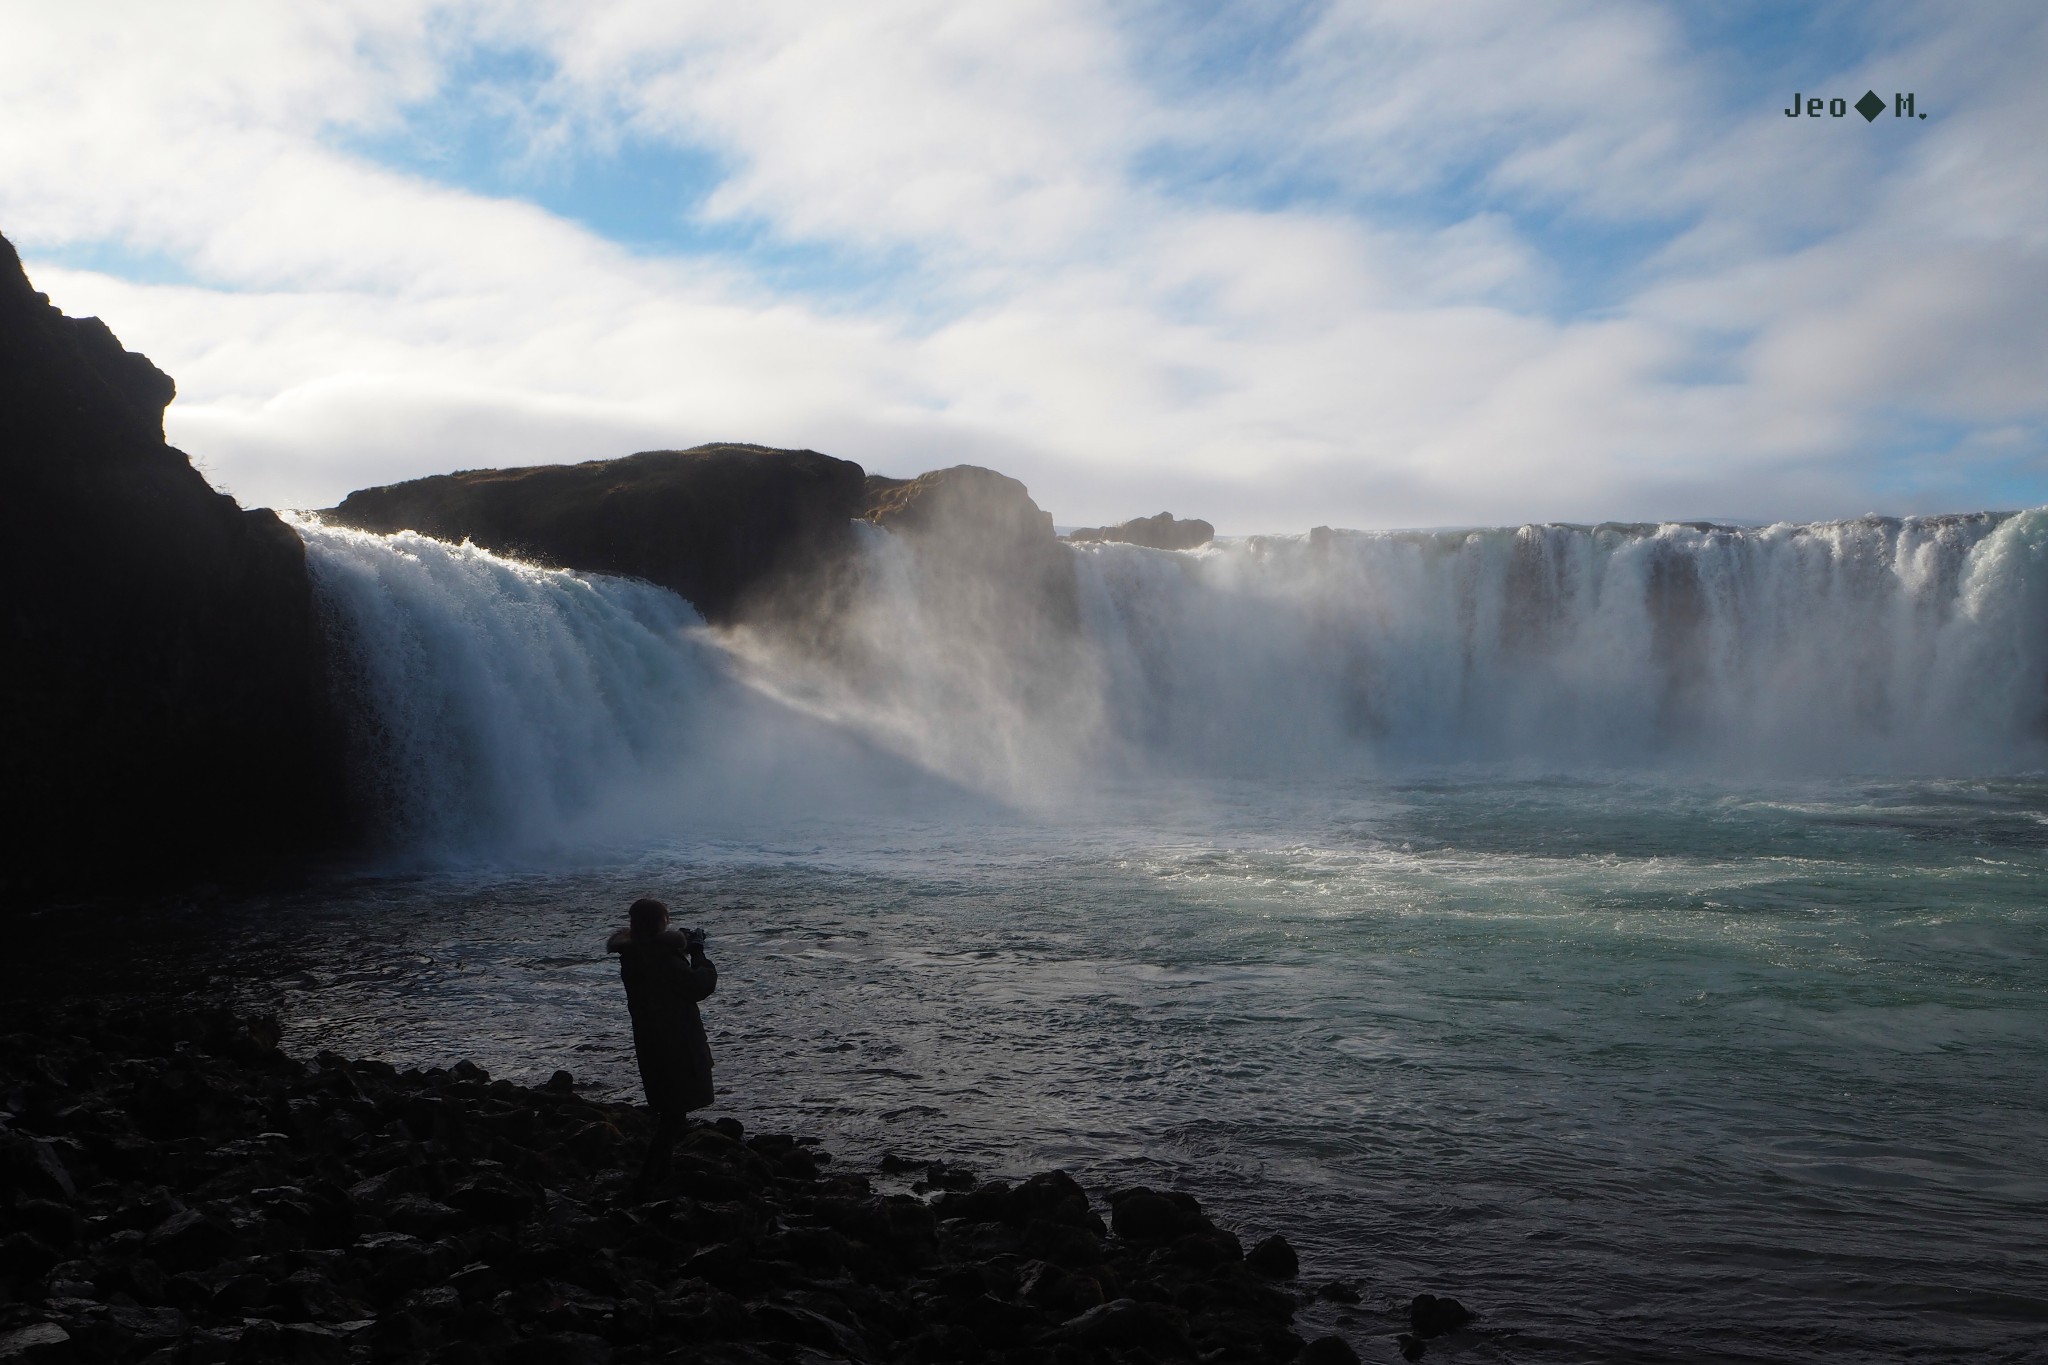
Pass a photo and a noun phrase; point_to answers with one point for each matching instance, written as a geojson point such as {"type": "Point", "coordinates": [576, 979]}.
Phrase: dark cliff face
{"type": "Point", "coordinates": [726, 526]}
{"type": "Point", "coordinates": [162, 716]}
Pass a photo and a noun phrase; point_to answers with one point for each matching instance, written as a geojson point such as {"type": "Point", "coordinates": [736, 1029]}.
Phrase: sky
{"type": "Point", "coordinates": [1276, 265]}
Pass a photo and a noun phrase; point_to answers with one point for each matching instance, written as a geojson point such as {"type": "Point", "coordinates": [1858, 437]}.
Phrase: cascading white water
{"type": "Point", "coordinates": [497, 703]}
{"type": "Point", "coordinates": [1846, 646]}
{"type": "Point", "coordinates": [506, 707]}
{"type": "Point", "coordinates": [506, 710]}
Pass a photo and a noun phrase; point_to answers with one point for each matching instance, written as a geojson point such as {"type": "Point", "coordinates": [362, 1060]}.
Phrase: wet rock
{"type": "Point", "coordinates": [561, 1348]}
{"type": "Point", "coordinates": [147, 1328]}
{"type": "Point", "coordinates": [24, 1256]}
{"type": "Point", "coordinates": [300, 1343]}
{"type": "Point", "coordinates": [1431, 1316]}
{"type": "Point", "coordinates": [1411, 1347]}
{"type": "Point", "coordinates": [1330, 1350]}
{"type": "Point", "coordinates": [1274, 1258]}
{"type": "Point", "coordinates": [404, 1266]}
{"type": "Point", "coordinates": [732, 1267]}
{"type": "Point", "coordinates": [58, 1225]}
{"type": "Point", "coordinates": [1203, 1250]}
{"type": "Point", "coordinates": [561, 1083]}
{"type": "Point", "coordinates": [30, 1168]}
{"type": "Point", "coordinates": [788, 1322]}
{"type": "Point", "coordinates": [1163, 531]}
{"type": "Point", "coordinates": [1337, 1291]}
{"type": "Point", "coordinates": [235, 1296]}
{"type": "Point", "coordinates": [1056, 1197]}
{"type": "Point", "coordinates": [191, 1238]}
{"type": "Point", "coordinates": [309, 1296]}
{"type": "Point", "coordinates": [399, 1333]}
{"type": "Point", "coordinates": [940, 1175]}
{"type": "Point", "coordinates": [380, 1189]}
{"type": "Point", "coordinates": [125, 1156]}
{"type": "Point", "coordinates": [421, 1216]}
{"type": "Point", "coordinates": [1126, 1322]}
{"type": "Point", "coordinates": [1062, 1244]}
{"type": "Point", "coordinates": [38, 1341]}
{"type": "Point", "coordinates": [477, 1282]}
{"type": "Point", "coordinates": [1139, 1214]}
{"type": "Point", "coordinates": [434, 1304]}
{"type": "Point", "coordinates": [143, 1279]}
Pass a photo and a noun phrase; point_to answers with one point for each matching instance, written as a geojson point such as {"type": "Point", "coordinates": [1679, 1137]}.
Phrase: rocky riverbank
{"type": "Point", "coordinates": [178, 1190]}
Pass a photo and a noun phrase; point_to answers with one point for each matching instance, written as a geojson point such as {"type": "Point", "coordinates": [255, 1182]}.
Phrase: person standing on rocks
{"type": "Point", "coordinates": [666, 973]}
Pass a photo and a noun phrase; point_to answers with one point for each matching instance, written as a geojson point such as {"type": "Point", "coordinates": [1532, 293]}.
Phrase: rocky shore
{"type": "Point", "coordinates": [178, 1190]}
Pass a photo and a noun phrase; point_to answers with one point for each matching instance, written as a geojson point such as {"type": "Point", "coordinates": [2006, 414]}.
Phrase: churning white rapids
{"type": "Point", "coordinates": [1635, 931]}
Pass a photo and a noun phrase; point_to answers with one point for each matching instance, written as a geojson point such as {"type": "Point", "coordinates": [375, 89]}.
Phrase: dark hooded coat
{"type": "Point", "coordinates": [664, 980]}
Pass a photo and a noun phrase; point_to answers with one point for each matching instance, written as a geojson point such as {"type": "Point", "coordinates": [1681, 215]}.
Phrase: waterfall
{"type": "Point", "coordinates": [496, 703]}
{"type": "Point", "coordinates": [1836, 647]}
{"type": "Point", "coordinates": [503, 707]}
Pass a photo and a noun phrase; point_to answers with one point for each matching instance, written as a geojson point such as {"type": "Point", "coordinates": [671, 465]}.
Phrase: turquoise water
{"type": "Point", "coordinates": [1640, 1071]}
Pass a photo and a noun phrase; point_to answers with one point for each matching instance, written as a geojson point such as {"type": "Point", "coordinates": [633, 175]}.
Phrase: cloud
{"type": "Point", "coordinates": [1354, 263]}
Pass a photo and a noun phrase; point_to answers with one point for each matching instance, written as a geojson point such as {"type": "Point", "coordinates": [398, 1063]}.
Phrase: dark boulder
{"type": "Point", "coordinates": [722, 525]}
{"type": "Point", "coordinates": [1129, 1323]}
{"type": "Point", "coordinates": [31, 1168]}
{"type": "Point", "coordinates": [1431, 1316]}
{"type": "Point", "coordinates": [1139, 1214]}
{"type": "Point", "coordinates": [1161, 532]}
{"type": "Point", "coordinates": [36, 1341]}
{"type": "Point", "coordinates": [164, 718]}
{"type": "Point", "coordinates": [191, 1238]}
{"type": "Point", "coordinates": [1330, 1350]}
{"type": "Point", "coordinates": [1274, 1258]}
{"type": "Point", "coordinates": [24, 1256]}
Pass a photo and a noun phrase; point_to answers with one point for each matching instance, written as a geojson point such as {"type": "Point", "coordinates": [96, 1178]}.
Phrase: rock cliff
{"type": "Point", "coordinates": [720, 524]}
{"type": "Point", "coordinates": [1161, 532]}
{"type": "Point", "coordinates": [977, 527]}
{"type": "Point", "coordinates": [162, 717]}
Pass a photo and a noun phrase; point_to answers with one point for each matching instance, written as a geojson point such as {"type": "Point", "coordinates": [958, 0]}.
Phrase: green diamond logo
{"type": "Point", "coordinates": [1870, 106]}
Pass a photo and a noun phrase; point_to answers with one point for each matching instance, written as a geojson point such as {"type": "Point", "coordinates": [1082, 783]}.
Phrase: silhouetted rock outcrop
{"type": "Point", "coordinates": [1161, 532]}
{"type": "Point", "coordinates": [162, 716]}
{"type": "Point", "coordinates": [717, 524]}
